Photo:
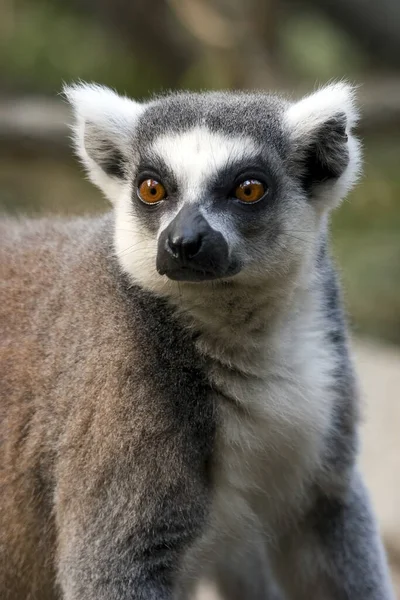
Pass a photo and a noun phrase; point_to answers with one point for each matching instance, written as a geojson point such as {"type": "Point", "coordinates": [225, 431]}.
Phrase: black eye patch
{"type": "Point", "coordinates": [152, 165]}
{"type": "Point", "coordinates": [226, 179]}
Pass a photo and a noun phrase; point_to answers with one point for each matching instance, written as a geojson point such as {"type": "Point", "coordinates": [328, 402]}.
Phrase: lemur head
{"type": "Point", "coordinates": [216, 186]}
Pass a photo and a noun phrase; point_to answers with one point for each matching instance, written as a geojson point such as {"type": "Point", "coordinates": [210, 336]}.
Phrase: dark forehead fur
{"type": "Point", "coordinates": [256, 115]}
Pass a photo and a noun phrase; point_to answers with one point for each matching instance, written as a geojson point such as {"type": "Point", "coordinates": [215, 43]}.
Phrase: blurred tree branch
{"type": "Point", "coordinates": [240, 36]}
{"type": "Point", "coordinates": [235, 41]}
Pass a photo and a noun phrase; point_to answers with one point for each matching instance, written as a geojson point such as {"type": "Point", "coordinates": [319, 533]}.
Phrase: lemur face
{"type": "Point", "coordinates": [216, 186]}
{"type": "Point", "coordinates": [213, 202]}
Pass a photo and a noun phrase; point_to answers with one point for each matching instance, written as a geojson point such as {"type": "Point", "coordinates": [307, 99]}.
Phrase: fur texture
{"type": "Point", "coordinates": [106, 422]}
{"type": "Point", "coordinates": [189, 432]}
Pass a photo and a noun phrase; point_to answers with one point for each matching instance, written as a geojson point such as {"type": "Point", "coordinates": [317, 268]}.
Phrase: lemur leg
{"type": "Point", "coordinates": [122, 537]}
{"type": "Point", "coordinates": [336, 553]}
{"type": "Point", "coordinates": [244, 576]}
{"type": "Point", "coordinates": [112, 554]}
{"type": "Point", "coordinates": [233, 558]}
{"type": "Point", "coordinates": [242, 571]}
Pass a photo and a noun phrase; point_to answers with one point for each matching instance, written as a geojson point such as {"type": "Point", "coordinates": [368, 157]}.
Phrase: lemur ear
{"type": "Point", "coordinates": [325, 155]}
{"type": "Point", "coordinates": [102, 133]}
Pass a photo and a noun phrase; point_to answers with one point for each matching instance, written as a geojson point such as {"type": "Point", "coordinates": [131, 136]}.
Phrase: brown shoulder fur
{"type": "Point", "coordinates": [105, 422]}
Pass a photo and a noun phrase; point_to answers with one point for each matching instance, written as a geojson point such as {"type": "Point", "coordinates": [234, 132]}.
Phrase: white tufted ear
{"type": "Point", "coordinates": [326, 155]}
{"type": "Point", "coordinates": [103, 131]}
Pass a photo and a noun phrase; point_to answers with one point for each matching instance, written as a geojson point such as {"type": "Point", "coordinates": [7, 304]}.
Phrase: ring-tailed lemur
{"type": "Point", "coordinates": [178, 398]}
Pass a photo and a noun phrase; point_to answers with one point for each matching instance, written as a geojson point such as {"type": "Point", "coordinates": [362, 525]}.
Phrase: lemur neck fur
{"type": "Point", "coordinates": [239, 325]}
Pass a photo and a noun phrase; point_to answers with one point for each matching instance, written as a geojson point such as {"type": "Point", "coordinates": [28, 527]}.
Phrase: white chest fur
{"type": "Point", "coordinates": [272, 384]}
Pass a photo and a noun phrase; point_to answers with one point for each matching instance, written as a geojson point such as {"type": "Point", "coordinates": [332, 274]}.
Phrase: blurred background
{"type": "Point", "coordinates": [142, 47]}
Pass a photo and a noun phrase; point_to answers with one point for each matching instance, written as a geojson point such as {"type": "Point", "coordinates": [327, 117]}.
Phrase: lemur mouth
{"type": "Point", "coordinates": [190, 274]}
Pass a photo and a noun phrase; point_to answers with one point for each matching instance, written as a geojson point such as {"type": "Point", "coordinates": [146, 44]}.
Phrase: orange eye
{"type": "Point", "coordinates": [250, 190]}
{"type": "Point", "coordinates": [151, 191]}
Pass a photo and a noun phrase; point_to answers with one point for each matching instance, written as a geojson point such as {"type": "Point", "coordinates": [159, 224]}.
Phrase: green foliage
{"type": "Point", "coordinates": [314, 49]}
{"type": "Point", "coordinates": [45, 44]}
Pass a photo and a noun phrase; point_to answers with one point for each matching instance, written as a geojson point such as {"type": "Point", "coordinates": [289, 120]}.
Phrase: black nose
{"type": "Point", "coordinates": [189, 249]}
{"type": "Point", "coordinates": [185, 247]}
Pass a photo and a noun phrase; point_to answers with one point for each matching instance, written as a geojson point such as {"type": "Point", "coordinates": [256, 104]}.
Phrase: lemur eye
{"type": "Point", "coordinates": [250, 190]}
{"type": "Point", "coordinates": [151, 191]}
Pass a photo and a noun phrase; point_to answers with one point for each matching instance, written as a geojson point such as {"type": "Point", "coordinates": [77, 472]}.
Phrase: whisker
{"type": "Point", "coordinates": [297, 238]}
{"type": "Point", "coordinates": [130, 248]}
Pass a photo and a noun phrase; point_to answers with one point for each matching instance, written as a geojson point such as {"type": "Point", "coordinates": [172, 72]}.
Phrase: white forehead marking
{"type": "Point", "coordinates": [196, 155]}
